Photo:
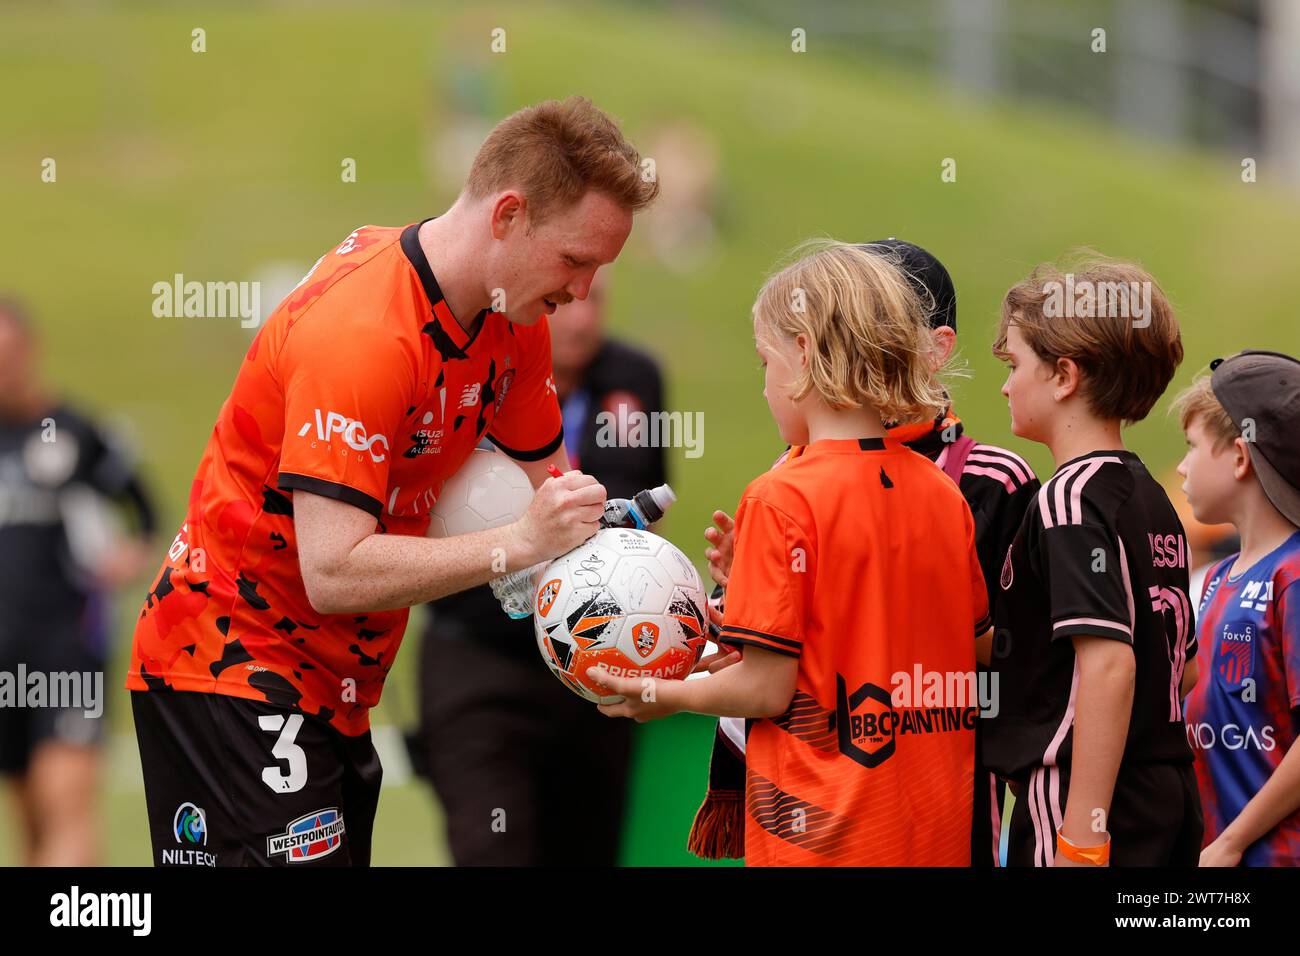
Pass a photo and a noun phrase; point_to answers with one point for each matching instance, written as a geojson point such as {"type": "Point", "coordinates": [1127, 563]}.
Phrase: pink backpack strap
{"type": "Point", "coordinates": [955, 461]}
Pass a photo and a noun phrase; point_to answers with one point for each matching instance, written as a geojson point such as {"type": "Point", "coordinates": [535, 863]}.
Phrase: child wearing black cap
{"type": "Point", "coordinates": [1243, 467]}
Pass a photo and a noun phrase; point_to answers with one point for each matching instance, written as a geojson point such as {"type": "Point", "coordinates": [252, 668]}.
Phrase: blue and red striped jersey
{"type": "Point", "coordinates": [1242, 714]}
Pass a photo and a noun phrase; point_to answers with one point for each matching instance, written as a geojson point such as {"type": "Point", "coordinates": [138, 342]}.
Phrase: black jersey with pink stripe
{"type": "Point", "coordinates": [998, 485]}
{"type": "Point", "coordinates": [996, 482]}
{"type": "Point", "coordinates": [1100, 552]}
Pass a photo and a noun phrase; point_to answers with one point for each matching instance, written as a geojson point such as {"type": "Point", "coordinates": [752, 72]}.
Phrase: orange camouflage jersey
{"type": "Point", "coordinates": [837, 563]}
{"type": "Point", "coordinates": [363, 387]}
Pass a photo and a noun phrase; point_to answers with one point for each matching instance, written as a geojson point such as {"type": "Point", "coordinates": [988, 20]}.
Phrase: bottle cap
{"type": "Point", "coordinates": [663, 496]}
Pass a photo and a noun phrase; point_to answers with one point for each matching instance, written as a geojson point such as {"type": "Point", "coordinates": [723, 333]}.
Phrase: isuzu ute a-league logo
{"type": "Point", "coordinates": [310, 837]}
{"type": "Point", "coordinates": [190, 827]}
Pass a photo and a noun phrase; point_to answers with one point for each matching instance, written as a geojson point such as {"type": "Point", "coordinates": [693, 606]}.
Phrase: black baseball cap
{"type": "Point", "coordinates": [927, 275]}
{"type": "Point", "coordinates": [1263, 388]}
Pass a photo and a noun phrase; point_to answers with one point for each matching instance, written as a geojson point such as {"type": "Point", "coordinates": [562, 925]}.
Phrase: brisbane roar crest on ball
{"type": "Point", "coordinates": [626, 599]}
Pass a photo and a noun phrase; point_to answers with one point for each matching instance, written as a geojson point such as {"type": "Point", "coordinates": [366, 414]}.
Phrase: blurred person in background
{"type": "Point", "coordinates": [62, 553]}
{"type": "Point", "coordinates": [512, 753]}
{"type": "Point", "coordinates": [683, 226]}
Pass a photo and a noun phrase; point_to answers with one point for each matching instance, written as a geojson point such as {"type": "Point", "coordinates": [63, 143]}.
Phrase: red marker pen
{"type": "Point", "coordinates": [554, 472]}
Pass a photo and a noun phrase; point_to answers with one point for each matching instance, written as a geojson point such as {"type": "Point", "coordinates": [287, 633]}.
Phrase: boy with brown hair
{"type": "Point", "coordinates": [1242, 467]}
{"type": "Point", "coordinates": [1093, 622]}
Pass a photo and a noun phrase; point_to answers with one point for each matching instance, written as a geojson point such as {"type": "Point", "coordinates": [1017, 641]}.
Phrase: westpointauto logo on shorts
{"type": "Point", "coordinates": [310, 837]}
{"type": "Point", "coordinates": [353, 433]}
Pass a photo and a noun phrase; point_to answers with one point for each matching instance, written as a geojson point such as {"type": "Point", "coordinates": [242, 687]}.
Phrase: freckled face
{"type": "Point", "coordinates": [548, 264]}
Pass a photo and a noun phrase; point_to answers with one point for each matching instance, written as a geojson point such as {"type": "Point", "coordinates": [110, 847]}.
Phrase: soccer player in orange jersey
{"type": "Point", "coordinates": [864, 680]}
{"type": "Point", "coordinates": [266, 637]}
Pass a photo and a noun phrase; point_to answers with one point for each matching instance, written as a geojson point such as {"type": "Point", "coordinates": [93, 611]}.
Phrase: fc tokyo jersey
{"type": "Point", "coordinates": [1100, 552]}
{"type": "Point", "coordinates": [1242, 715]}
{"type": "Point", "coordinates": [362, 387]}
{"type": "Point", "coordinates": [836, 563]}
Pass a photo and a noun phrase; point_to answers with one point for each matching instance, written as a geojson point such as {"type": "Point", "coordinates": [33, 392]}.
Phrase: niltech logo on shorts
{"type": "Point", "coordinates": [190, 827]}
{"type": "Point", "coordinates": [310, 837]}
{"type": "Point", "coordinates": [190, 824]}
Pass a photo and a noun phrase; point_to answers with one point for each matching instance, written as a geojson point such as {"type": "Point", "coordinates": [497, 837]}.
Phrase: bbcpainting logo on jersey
{"type": "Point", "coordinates": [350, 430]}
{"type": "Point", "coordinates": [310, 837]}
{"type": "Point", "coordinates": [190, 827]}
{"type": "Point", "coordinates": [869, 721]}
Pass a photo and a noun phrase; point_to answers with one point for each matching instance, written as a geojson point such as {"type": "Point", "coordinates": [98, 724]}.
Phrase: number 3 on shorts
{"type": "Point", "coordinates": [285, 749]}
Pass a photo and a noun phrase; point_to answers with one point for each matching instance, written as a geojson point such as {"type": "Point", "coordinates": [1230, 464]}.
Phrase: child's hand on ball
{"type": "Point", "coordinates": [722, 539]}
{"type": "Point", "coordinates": [644, 698]}
{"type": "Point", "coordinates": [564, 513]}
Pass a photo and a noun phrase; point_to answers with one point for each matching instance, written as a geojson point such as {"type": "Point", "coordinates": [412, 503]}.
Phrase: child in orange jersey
{"type": "Point", "coordinates": [856, 620]}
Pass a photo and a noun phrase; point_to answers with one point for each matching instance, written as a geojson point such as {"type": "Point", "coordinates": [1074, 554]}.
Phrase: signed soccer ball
{"type": "Point", "coordinates": [626, 599]}
{"type": "Point", "coordinates": [489, 491]}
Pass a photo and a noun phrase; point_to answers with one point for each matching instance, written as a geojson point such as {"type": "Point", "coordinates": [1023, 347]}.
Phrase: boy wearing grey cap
{"type": "Point", "coordinates": [1243, 467]}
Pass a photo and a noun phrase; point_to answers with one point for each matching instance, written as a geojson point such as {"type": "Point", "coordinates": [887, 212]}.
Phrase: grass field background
{"type": "Point", "coordinates": [223, 164]}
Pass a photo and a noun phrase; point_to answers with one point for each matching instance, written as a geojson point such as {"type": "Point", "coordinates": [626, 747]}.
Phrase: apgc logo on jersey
{"type": "Point", "coordinates": [310, 837]}
{"type": "Point", "coordinates": [350, 430]}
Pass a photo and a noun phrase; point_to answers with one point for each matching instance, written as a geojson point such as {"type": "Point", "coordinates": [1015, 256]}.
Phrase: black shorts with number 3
{"type": "Point", "coordinates": [235, 782]}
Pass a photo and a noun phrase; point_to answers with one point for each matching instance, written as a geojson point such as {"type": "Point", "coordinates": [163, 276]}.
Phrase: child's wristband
{"type": "Point", "coordinates": [1091, 855]}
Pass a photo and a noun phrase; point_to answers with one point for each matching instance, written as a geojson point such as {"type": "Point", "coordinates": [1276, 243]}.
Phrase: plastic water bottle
{"type": "Point", "coordinates": [640, 511]}
{"type": "Point", "coordinates": [515, 590]}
